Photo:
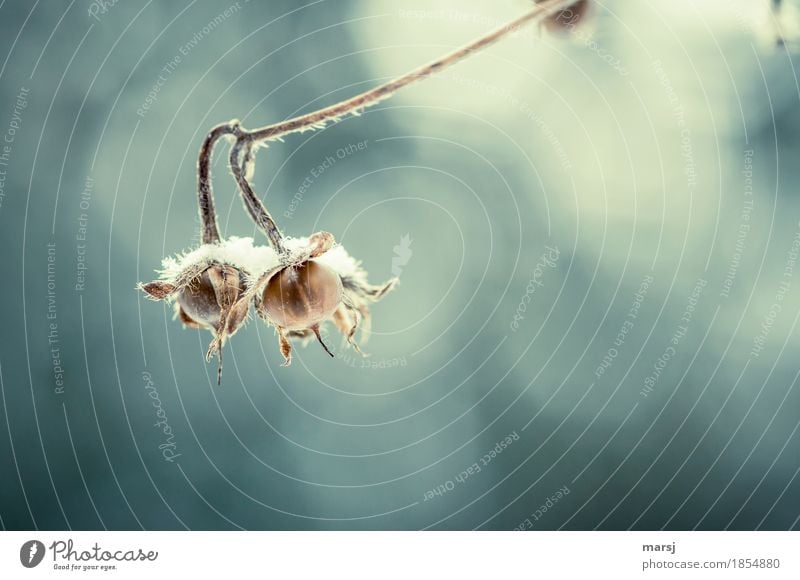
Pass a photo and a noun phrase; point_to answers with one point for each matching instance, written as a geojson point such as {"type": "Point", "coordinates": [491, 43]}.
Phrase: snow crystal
{"type": "Point", "coordinates": [254, 260]}
{"type": "Point", "coordinates": [235, 251]}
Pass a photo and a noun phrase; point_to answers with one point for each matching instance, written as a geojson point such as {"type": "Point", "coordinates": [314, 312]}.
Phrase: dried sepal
{"type": "Point", "coordinates": [237, 316]}
{"type": "Point", "coordinates": [285, 346]}
{"type": "Point", "coordinates": [347, 320]}
{"type": "Point", "coordinates": [158, 290]}
{"type": "Point", "coordinates": [319, 243]}
{"type": "Point", "coordinates": [359, 294]}
{"type": "Point", "coordinates": [344, 322]}
{"type": "Point", "coordinates": [299, 250]}
{"type": "Point", "coordinates": [368, 291]}
{"type": "Point", "coordinates": [208, 301]}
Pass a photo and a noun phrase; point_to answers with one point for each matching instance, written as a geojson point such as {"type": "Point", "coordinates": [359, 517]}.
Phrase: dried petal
{"type": "Point", "coordinates": [285, 346]}
{"type": "Point", "coordinates": [236, 317]}
{"type": "Point", "coordinates": [365, 290]}
{"type": "Point", "coordinates": [320, 243]}
{"type": "Point", "coordinates": [346, 319]}
{"type": "Point", "coordinates": [303, 249]}
{"type": "Point", "coordinates": [227, 285]}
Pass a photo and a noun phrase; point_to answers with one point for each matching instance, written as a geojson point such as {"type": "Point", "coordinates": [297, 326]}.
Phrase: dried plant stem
{"type": "Point", "coordinates": [386, 90]}
{"type": "Point", "coordinates": [208, 214]}
{"type": "Point", "coordinates": [318, 119]}
{"type": "Point", "coordinates": [255, 208]}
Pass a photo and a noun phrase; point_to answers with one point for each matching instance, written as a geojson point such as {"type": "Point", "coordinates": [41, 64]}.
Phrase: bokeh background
{"type": "Point", "coordinates": [641, 170]}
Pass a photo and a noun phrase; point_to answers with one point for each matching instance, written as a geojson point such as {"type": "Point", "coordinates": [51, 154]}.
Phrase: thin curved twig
{"type": "Point", "coordinates": [257, 210]}
{"type": "Point", "coordinates": [248, 139]}
{"type": "Point", "coordinates": [317, 119]}
{"type": "Point", "coordinates": [205, 195]}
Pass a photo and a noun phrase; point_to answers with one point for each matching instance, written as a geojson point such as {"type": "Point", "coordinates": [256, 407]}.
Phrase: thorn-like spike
{"type": "Point", "coordinates": [315, 328]}
{"type": "Point", "coordinates": [219, 368]}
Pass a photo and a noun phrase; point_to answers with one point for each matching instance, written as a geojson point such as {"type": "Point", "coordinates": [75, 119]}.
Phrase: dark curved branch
{"type": "Point", "coordinates": [205, 195]}
{"type": "Point", "coordinates": [257, 210]}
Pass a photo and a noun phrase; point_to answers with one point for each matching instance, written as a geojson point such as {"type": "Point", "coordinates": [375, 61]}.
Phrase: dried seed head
{"type": "Point", "coordinates": [197, 302]}
{"type": "Point", "coordinates": [314, 282]}
{"type": "Point", "coordinates": [300, 297]}
{"type": "Point", "coordinates": [297, 292]}
{"type": "Point", "coordinates": [207, 295]}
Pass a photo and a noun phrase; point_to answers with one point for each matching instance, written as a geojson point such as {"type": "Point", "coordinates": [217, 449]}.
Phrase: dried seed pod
{"type": "Point", "coordinates": [298, 297]}
{"type": "Point", "coordinates": [208, 300]}
{"type": "Point", "coordinates": [316, 281]}
{"type": "Point", "coordinates": [198, 301]}
{"type": "Point", "coordinates": [207, 285]}
{"type": "Point", "coordinates": [566, 19]}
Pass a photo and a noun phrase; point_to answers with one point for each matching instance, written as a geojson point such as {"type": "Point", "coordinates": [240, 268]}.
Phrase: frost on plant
{"type": "Point", "coordinates": [206, 284]}
{"type": "Point", "coordinates": [296, 284]}
{"type": "Point", "coordinates": [315, 281]}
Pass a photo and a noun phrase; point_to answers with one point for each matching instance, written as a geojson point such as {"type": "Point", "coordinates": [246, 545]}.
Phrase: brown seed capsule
{"type": "Point", "coordinates": [564, 20]}
{"type": "Point", "coordinates": [300, 297]}
{"type": "Point", "coordinates": [207, 298]}
{"type": "Point", "coordinates": [199, 300]}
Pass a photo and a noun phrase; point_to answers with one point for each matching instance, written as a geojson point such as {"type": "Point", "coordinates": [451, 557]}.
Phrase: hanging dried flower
{"type": "Point", "coordinates": [205, 286]}
{"type": "Point", "coordinates": [317, 281]}
{"type": "Point", "coordinates": [299, 283]}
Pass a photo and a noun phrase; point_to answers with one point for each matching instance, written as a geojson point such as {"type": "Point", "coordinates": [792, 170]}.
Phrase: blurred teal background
{"type": "Point", "coordinates": [595, 234]}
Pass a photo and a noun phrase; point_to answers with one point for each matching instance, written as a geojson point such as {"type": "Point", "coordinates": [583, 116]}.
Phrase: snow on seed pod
{"type": "Point", "coordinates": [206, 284]}
{"type": "Point", "coordinates": [316, 282]}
